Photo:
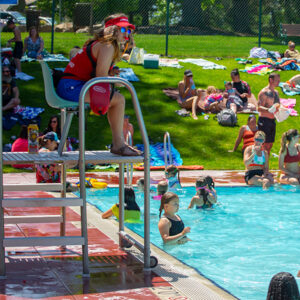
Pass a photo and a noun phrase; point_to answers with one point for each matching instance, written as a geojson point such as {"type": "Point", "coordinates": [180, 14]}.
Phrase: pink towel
{"type": "Point", "coordinates": [289, 103]}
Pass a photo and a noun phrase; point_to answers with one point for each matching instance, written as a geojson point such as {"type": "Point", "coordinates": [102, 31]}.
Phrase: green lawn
{"type": "Point", "coordinates": [201, 142]}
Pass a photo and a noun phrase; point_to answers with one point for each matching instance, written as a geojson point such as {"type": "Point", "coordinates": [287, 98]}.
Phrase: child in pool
{"type": "Point", "coordinates": [172, 176]}
{"type": "Point", "coordinates": [131, 209]}
{"type": "Point", "coordinates": [206, 194]}
{"type": "Point", "coordinates": [170, 225]}
{"type": "Point", "coordinates": [162, 188]}
{"type": "Point", "coordinates": [140, 184]}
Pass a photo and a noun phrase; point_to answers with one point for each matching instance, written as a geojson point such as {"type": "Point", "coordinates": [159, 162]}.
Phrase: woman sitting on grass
{"type": "Point", "coordinates": [246, 134]}
{"type": "Point", "coordinates": [256, 161]}
{"type": "Point", "coordinates": [34, 44]}
{"type": "Point", "coordinates": [289, 158]}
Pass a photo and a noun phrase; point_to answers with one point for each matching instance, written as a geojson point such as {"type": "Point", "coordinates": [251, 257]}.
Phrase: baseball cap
{"type": "Point", "coordinates": [188, 73]}
{"type": "Point", "coordinates": [52, 136]}
{"type": "Point", "coordinates": [120, 21]}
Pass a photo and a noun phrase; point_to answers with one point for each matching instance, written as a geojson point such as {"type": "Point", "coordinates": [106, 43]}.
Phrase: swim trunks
{"type": "Point", "coordinates": [268, 126]}
{"type": "Point", "coordinates": [252, 173]}
{"type": "Point", "coordinates": [18, 50]}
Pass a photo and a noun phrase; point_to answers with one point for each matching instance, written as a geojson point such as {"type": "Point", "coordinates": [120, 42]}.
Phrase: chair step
{"type": "Point", "coordinates": [33, 219]}
{"type": "Point", "coordinates": [43, 241]}
{"type": "Point", "coordinates": [41, 202]}
{"type": "Point", "coordinates": [47, 187]}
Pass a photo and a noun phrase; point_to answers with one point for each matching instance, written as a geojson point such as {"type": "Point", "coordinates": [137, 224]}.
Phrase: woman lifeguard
{"type": "Point", "coordinates": [289, 158]}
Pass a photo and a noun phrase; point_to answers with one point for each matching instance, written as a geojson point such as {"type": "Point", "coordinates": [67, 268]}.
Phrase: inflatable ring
{"type": "Point", "coordinates": [94, 183]}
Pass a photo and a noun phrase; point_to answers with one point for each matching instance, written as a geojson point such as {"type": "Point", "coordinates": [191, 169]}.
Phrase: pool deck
{"type": "Point", "coordinates": [55, 273]}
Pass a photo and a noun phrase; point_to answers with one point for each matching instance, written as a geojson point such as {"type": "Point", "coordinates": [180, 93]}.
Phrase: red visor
{"type": "Point", "coordinates": [120, 21]}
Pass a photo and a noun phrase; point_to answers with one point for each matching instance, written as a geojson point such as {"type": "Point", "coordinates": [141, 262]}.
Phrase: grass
{"type": "Point", "coordinates": [201, 142]}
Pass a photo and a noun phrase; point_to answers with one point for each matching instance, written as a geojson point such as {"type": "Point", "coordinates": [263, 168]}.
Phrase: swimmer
{"type": "Point", "coordinates": [140, 184]}
{"type": "Point", "coordinates": [172, 176]}
{"type": "Point", "coordinates": [162, 188]}
{"type": "Point", "coordinates": [206, 194]}
{"type": "Point", "coordinates": [170, 225]}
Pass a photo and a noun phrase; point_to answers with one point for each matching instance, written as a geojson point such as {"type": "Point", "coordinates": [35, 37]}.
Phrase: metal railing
{"type": "Point", "coordinates": [129, 167]}
{"type": "Point", "coordinates": [137, 108]}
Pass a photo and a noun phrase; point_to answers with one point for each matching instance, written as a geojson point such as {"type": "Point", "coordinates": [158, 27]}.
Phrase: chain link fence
{"type": "Point", "coordinates": [175, 17]}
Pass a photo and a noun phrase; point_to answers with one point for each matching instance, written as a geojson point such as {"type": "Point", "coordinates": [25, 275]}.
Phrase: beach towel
{"type": "Point", "coordinates": [48, 57]}
{"type": "Point", "coordinates": [258, 69]}
{"type": "Point", "coordinates": [283, 64]}
{"type": "Point", "coordinates": [157, 154]}
{"type": "Point", "coordinates": [23, 76]}
{"type": "Point", "coordinates": [27, 112]}
{"type": "Point", "coordinates": [166, 62]}
{"type": "Point", "coordinates": [205, 64]}
{"type": "Point", "coordinates": [258, 53]}
{"type": "Point", "coordinates": [288, 92]}
{"type": "Point", "coordinates": [290, 104]}
{"type": "Point", "coordinates": [128, 74]}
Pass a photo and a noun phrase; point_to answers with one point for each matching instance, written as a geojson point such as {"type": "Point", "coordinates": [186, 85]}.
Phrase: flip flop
{"type": "Point", "coordinates": [122, 151]}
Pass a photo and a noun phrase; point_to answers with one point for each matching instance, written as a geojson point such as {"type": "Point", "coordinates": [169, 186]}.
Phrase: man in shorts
{"type": "Point", "coordinates": [17, 39]}
{"type": "Point", "coordinates": [267, 97]}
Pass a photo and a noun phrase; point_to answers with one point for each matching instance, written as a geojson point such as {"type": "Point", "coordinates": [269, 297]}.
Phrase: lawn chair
{"type": "Point", "coordinates": [67, 108]}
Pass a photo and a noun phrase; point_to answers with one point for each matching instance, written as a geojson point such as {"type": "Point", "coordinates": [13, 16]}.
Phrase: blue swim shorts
{"type": "Point", "coordinates": [69, 89]}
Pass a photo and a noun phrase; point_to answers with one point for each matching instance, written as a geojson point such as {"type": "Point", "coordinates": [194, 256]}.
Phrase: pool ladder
{"type": "Point", "coordinates": [167, 142]}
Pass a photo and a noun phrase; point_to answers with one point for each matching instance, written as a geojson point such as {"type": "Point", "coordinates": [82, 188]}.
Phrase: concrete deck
{"type": "Point", "coordinates": [55, 273]}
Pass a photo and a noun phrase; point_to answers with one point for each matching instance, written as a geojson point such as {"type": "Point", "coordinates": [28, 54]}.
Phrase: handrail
{"type": "Point", "coordinates": [137, 108]}
{"type": "Point", "coordinates": [129, 167]}
{"type": "Point", "coordinates": [167, 139]}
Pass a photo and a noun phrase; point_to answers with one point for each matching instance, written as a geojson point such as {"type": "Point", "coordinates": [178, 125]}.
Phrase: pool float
{"type": "Point", "coordinates": [94, 183]}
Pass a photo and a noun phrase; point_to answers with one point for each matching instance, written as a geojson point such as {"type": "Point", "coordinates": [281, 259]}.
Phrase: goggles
{"type": "Point", "coordinates": [259, 140]}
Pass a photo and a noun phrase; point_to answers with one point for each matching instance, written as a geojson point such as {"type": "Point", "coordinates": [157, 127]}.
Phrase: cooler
{"type": "Point", "coordinates": [151, 61]}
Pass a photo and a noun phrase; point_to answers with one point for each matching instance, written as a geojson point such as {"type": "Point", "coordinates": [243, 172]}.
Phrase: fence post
{"type": "Point", "coordinates": [259, 23]}
{"type": "Point", "coordinates": [52, 28]}
{"type": "Point", "coordinates": [167, 26]}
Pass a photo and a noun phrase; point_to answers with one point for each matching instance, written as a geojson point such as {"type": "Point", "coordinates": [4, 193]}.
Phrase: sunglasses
{"type": "Point", "coordinates": [5, 71]}
{"type": "Point", "coordinates": [259, 140]}
{"type": "Point", "coordinates": [123, 30]}
{"type": "Point", "coordinates": [53, 121]}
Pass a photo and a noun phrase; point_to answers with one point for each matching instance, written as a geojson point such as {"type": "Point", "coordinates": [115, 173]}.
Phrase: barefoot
{"type": "Point", "coordinates": [194, 117]}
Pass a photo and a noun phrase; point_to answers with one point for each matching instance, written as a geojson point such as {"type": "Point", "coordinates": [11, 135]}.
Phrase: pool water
{"type": "Point", "coordinates": [239, 244]}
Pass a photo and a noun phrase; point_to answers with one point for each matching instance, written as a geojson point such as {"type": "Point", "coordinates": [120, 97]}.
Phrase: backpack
{"type": "Point", "coordinates": [227, 117]}
{"type": "Point", "coordinates": [58, 74]}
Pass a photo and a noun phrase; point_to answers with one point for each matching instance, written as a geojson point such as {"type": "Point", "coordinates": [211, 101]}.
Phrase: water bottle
{"type": "Point", "coordinates": [33, 133]}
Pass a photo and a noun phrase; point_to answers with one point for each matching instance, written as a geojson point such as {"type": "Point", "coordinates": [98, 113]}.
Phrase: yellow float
{"type": "Point", "coordinates": [94, 183]}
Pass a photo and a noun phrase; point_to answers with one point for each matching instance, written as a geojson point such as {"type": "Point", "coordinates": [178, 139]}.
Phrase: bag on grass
{"type": "Point", "coordinates": [136, 56]}
{"type": "Point", "coordinates": [227, 117]}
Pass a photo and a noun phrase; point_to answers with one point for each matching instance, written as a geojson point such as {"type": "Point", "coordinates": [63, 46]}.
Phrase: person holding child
{"type": "Point", "coordinates": [189, 95]}
{"type": "Point", "coordinates": [256, 160]}
{"type": "Point", "coordinates": [206, 194]}
{"type": "Point", "coordinates": [234, 102]}
{"type": "Point", "coordinates": [170, 225]}
{"type": "Point", "coordinates": [289, 158]}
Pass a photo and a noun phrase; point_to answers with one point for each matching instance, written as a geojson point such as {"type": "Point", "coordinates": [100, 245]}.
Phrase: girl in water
{"type": "Point", "coordinates": [172, 176]}
{"type": "Point", "coordinates": [170, 225]}
{"type": "Point", "coordinates": [206, 194]}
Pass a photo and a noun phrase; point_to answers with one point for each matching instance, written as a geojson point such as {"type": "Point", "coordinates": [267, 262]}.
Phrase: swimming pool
{"type": "Point", "coordinates": [240, 244]}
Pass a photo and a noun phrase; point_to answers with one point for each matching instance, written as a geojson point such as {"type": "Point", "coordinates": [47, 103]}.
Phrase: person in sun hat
{"type": "Point", "coordinates": [97, 59]}
{"type": "Point", "coordinates": [189, 95]}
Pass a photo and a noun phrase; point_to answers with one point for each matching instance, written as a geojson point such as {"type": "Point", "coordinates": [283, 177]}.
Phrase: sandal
{"type": "Point", "coordinates": [126, 150]}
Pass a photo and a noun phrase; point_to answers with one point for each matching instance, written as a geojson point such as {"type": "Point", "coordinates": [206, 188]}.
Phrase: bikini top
{"type": "Point", "coordinates": [176, 226]}
{"type": "Point", "coordinates": [290, 159]}
{"type": "Point", "coordinates": [258, 161]}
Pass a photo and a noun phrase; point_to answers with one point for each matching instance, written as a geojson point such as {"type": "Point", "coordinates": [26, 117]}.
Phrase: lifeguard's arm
{"type": "Point", "coordinates": [107, 214]}
{"type": "Point", "coordinates": [248, 156]}
{"type": "Point", "coordinates": [164, 229]}
{"type": "Point", "coordinates": [261, 105]}
{"type": "Point", "coordinates": [239, 138]}
{"type": "Point", "coordinates": [104, 54]}
{"type": "Point", "coordinates": [183, 93]}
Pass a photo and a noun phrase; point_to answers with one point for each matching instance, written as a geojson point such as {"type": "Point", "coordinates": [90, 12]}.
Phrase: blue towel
{"type": "Point", "coordinates": [290, 93]}
{"type": "Point", "coordinates": [128, 74]}
{"type": "Point", "coordinates": [157, 154]}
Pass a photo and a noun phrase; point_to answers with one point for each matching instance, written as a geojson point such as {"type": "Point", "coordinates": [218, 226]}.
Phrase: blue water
{"type": "Point", "coordinates": [240, 244]}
